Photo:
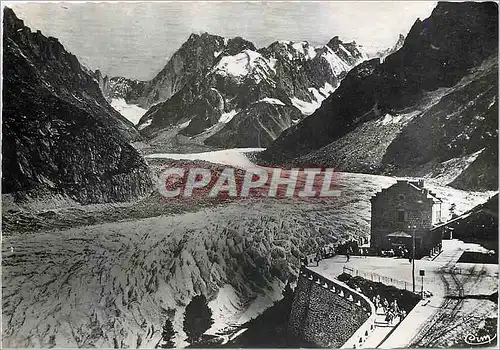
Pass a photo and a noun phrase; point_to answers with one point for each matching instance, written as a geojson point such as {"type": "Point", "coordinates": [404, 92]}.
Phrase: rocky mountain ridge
{"type": "Point", "coordinates": [233, 94]}
{"type": "Point", "coordinates": [60, 135]}
{"type": "Point", "coordinates": [433, 101]}
{"type": "Point", "coordinates": [384, 53]}
{"type": "Point", "coordinates": [190, 61]}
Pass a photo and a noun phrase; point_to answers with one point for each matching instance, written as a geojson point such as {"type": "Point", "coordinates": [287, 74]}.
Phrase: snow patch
{"type": "Point", "coordinates": [337, 65]}
{"type": "Point", "coordinates": [238, 65]}
{"type": "Point", "coordinates": [319, 95]}
{"type": "Point", "coordinates": [145, 124]}
{"type": "Point", "coordinates": [305, 49]}
{"type": "Point", "coordinates": [307, 108]}
{"type": "Point", "coordinates": [224, 307]}
{"type": "Point", "coordinates": [234, 156]}
{"type": "Point", "coordinates": [401, 119]}
{"type": "Point", "coordinates": [227, 117]}
{"type": "Point", "coordinates": [130, 111]}
{"type": "Point", "coordinates": [327, 89]}
{"type": "Point", "coordinates": [244, 64]}
{"type": "Point", "coordinates": [345, 50]}
{"type": "Point", "coordinates": [185, 124]}
{"type": "Point", "coordinates": [390, 119]}
{"type": "Point", "coordinates": [449, 170]}
{"type": "Point", "coordinates": [311, 52]}
{"type": "Point", "coordinates": [492, 102]}
{"type": "Point", "coordinates": [273, 101]}
{"type": "Point", "coordinates": [272, 63]}
{"type": "Point", "coordinates": [299, 47]}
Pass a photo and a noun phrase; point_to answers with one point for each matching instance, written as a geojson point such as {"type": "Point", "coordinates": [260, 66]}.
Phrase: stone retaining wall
{"type": "Point", "coordinates": [328, 313]}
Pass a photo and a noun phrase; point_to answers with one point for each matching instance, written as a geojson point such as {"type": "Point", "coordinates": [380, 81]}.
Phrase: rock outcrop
{"type": "Point", "coordinates": [221, 93]}
{"type": "Point", "coordinates": [60, 136]}
{"type": "Point", "coordinates": [432, 101]}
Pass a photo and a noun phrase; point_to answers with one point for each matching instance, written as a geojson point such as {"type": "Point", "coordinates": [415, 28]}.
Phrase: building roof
{"type": "Point", "coordinates": [399, 234]}
{"type": "Point", "coordinates": [419, 186]}
{"type": "Point", "coordinates": [416, 185]}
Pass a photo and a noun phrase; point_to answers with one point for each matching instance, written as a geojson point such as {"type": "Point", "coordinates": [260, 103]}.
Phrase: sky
{"type": "Point", "coordinates": [136, 39]}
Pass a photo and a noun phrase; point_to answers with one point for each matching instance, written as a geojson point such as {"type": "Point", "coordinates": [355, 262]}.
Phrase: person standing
{"type": "Point", "coordinates": [347, 254]}
{"type": "Point", "coordinates": [318, 257]}
{"type": "Point", "coordinates": [395, 306]}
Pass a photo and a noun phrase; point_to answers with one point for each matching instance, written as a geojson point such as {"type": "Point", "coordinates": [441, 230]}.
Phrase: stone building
{"type": "Point", "coordinates": [405, 209]}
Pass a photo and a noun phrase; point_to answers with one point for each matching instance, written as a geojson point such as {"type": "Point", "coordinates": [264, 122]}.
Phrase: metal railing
{"type": "Point", "coordinates": [389, 281]}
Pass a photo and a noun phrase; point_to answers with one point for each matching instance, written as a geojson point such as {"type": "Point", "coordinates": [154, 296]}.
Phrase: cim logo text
{"type": "Point", "coordinates": [472, 339]}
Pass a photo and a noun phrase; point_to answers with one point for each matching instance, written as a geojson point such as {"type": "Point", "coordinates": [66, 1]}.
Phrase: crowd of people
{"type": "Point", "coordinates": [348, 249]}
{"type": "Point", "coordinates": [351, 248]}
{"type": "Point", "coordinates": [322, 253]}
{"type": "Point", "coordinates": [402, 251]}
{"type": "Point", "coordinates": [391, 310]}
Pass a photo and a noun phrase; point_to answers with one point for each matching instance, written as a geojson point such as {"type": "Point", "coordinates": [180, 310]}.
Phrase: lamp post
{"type": "Point", "coordinates": [413, 256]}
{"type": "Point", "coordinates": [422, 291]}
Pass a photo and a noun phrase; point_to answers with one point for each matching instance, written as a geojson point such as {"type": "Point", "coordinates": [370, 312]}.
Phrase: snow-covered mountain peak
{"type": "Point", "coordinates": [308, 51]}
{"type": "Point", "coordinates": [210, 76]}
{"type": "Point", "coordinates": [247, 63]}
{"type": "Point", "coordinates": [290, 51]}
{"type": "Point", "coordinates": [337, 64]}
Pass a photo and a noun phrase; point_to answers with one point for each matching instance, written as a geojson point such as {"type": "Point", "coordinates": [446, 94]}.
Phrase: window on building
{"type": "Point", "coordinates": [437, 215]}
{"type": "Point", "coordinates": [402, 197]}
{"type": "Point", "coordinates": [401, 215]}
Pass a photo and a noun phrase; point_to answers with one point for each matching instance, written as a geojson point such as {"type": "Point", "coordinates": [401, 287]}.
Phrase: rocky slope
{"type": "Point", "coordinates": [424, 109]}
{"type": "Point", "coordinates": [221, 87]}
{"type": "Point", "coordinates": [479, 224]}
{"type": "Point", "coordinates": [60, 136]}
{"type": "Point", "coordinates": [186, 65]}
{"type": "Point", "coordinates": [389, 51]}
